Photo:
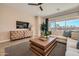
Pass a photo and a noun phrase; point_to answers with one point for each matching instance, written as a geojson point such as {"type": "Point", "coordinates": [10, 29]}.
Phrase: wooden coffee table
{"type": "Point", "coordinates": [43, 48]}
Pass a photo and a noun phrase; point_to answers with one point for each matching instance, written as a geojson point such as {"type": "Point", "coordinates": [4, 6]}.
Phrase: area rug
{"type": "Point", "coordinates": [23, 49]}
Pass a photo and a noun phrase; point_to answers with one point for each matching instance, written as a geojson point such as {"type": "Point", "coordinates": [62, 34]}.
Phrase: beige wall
{"type": "Point", "coordinates": [8, 18]}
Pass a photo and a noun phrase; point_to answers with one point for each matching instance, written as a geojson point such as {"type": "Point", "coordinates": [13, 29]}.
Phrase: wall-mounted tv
{"type": "Point", "coordinates": [22, 25]}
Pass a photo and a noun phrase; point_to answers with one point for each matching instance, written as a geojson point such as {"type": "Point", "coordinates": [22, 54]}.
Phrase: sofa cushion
{"type": "Point", "coordinates": [61, 40]}
{"type": "Point", "coordinates": [61, 37]}
{"type": "Point", "coordinates": [75, 35]}
{"type": "Point", "coordinates": [58, 32]}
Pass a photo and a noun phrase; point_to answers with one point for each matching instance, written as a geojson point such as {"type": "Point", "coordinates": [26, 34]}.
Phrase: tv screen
{"type": "Point", "coordinates": [22, 25]}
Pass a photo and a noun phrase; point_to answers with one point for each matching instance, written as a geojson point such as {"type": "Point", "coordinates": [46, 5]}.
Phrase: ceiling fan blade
{"type": "Point", "coordinates": [32, 4]}
{"type": "Point", "coordinates": [40, 3]}
{"type": "Point", "coordinates": [41, 8]}
{"type": "Point", "coordinates": [36, 4]}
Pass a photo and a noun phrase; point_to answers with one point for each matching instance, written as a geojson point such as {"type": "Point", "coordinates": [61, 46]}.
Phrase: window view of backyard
{"type": "Point", "coordinates": [62, 25]}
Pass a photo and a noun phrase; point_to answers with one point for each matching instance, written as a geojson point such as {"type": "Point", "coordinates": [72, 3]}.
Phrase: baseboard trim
{"type": "Point", "coordinates": [4, 41]}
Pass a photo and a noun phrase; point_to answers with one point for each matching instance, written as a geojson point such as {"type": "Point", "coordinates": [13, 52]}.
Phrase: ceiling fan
{"type": "Point", "coordinates": [37, 4]}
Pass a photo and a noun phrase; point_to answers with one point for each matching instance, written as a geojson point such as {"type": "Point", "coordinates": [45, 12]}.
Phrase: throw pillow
{"type": "Point", "coordinates": [67, 33]}
{"type": "Point", "coordinates": [78, 45]}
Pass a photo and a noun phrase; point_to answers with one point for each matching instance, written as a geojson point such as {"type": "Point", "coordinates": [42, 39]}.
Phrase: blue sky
{"type": "Point", "coordinates": [74, 22]}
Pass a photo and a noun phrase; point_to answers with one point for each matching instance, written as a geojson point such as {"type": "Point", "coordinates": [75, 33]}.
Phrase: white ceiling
{"type": "Point", "coordinates": [49, 8]}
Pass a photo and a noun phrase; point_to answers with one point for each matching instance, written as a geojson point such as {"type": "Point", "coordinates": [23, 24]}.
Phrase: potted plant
{"type": "Point", "coordinates": [44, 31]}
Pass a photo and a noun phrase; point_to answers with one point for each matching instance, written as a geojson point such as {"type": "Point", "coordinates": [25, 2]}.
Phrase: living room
{"type": "Point", "coordinates": [21, 23]}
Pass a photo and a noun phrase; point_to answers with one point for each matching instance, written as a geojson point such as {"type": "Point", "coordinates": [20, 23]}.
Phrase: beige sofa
{"type": "Point", "coordinates": [71, 43]}
{"type": "Point", "coordinates": [20, 34]}
{"type": "Point", "coordinates": [71, 47]}
{"type": "Point", "coordinates": [59, 35]}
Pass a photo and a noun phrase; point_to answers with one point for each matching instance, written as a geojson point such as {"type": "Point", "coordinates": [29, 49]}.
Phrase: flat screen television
{"type": "Point", "coordinates": [22, 25]}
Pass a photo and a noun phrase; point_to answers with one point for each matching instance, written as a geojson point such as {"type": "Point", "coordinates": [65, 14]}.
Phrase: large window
{"type": "Point", "coordinates": [72, 24]}
{"type": "Point", "coordinates": [60, 25]}
{"type": "Point", "coordinates": [67, 24]}
{"type": "Point", "coordinates": [52, 24]}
